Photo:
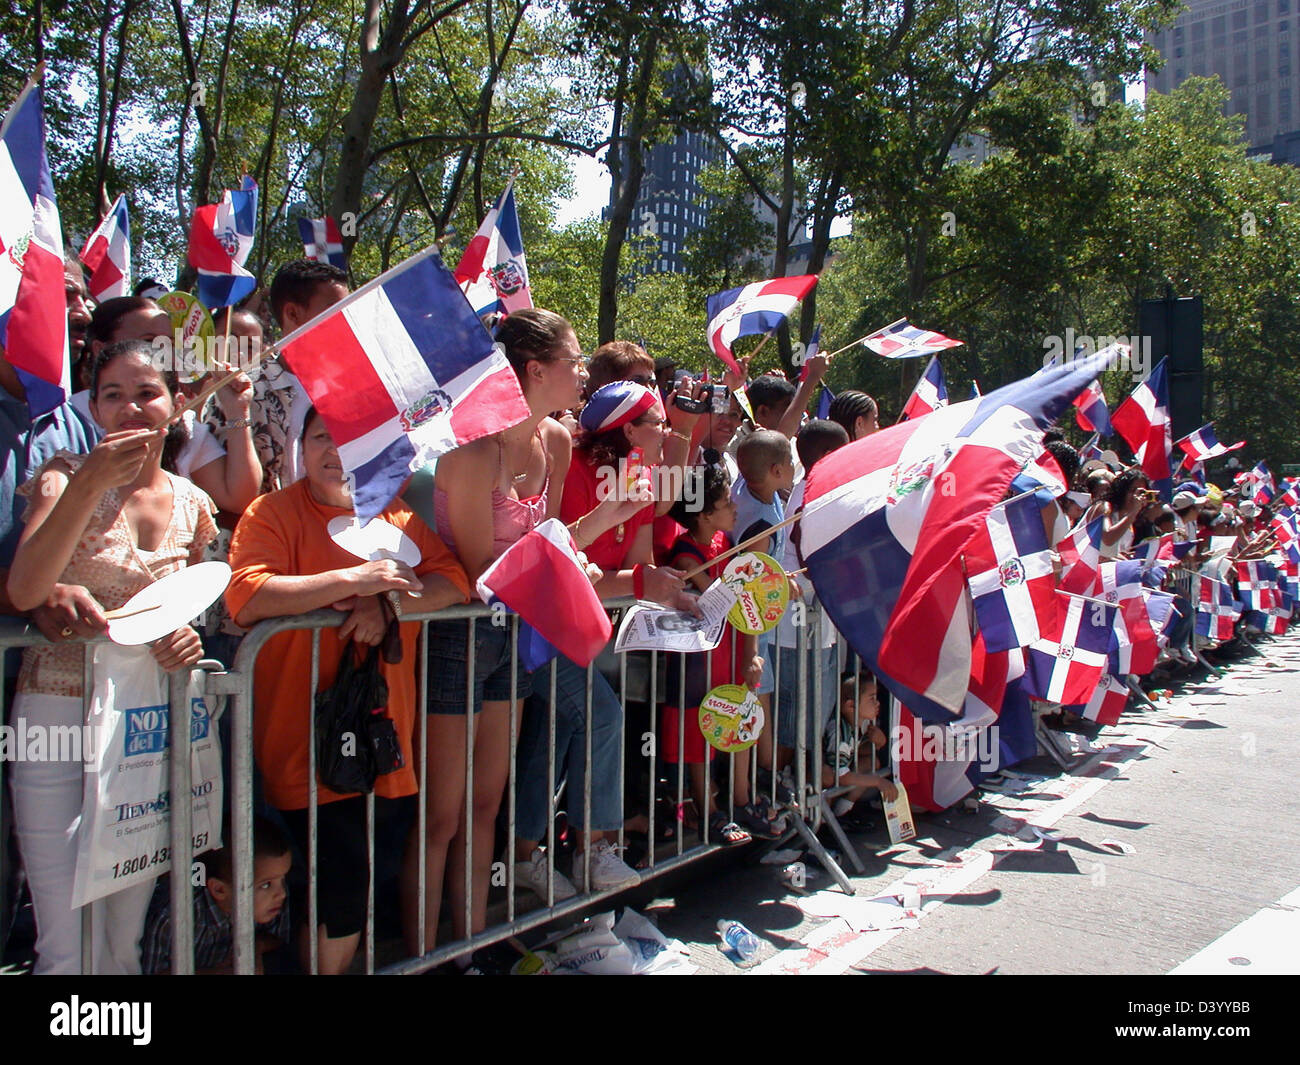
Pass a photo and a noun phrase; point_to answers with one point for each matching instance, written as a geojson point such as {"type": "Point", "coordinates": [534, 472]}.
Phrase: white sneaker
{"type": "Point", "coordinates": [608, 871]}
{"type": "Point", "coordinates": [532, 875]}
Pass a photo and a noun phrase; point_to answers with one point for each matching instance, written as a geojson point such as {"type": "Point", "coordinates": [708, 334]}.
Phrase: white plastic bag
{"type": "Point", "coordinates": [124, 835]}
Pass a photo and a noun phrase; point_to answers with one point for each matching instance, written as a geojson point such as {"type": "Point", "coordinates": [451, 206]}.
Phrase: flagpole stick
{"type": "Point", "coordinates": [766, 337]}
{"type": "Point", "coordinates": [1085, 598]}
{"type": "Point", "coordinates": [854, 344]}
{"type": "Point", "coordinates": [743, 544]}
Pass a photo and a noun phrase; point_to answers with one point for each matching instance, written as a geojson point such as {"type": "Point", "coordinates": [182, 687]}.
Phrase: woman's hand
{"type": "Point", "coordinates": [667, 587]}
{"type": "Point", "coordinates": [367, 622]}
{"type": "Point", "coordinates": [236, 398]}
{"type": "Point", "coordinates": [70, 611]}
{"type": "Point", "coordinates": [678, 419]}
{"type": "Point", "coordinates": [118, 458]}
{"type": "Point", "coordinates": [179, 650]}
{"type": "Point", "coordinates": [383, 575]}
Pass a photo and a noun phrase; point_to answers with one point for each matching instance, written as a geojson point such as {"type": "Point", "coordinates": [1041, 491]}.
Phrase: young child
{"type": "Point", "coordinates": [214, 902]}
{"type": "Point", "coordinates": [850, 743]}
{"type": "Point", "coordinates": [707, 523]}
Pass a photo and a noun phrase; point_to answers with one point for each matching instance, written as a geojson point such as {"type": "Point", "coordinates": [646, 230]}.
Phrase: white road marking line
{"type": "Point", "coordinates": [1265, 944]}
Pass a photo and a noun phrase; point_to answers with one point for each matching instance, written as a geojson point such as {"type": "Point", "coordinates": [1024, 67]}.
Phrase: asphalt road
{"type": "Point", "coordinates": [1179, 828]}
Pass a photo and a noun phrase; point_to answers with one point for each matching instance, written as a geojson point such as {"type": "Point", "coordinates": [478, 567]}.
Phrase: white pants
{"type": "Point", "coordinates": [47, 809]}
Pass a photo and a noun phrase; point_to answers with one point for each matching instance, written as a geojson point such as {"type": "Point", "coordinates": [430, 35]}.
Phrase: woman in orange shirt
{"type": "Point", "coordinates": [285, 562]}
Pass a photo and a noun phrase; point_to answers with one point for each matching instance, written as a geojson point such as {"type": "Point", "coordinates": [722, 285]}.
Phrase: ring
{"type": "Point", "coordinates": [65, 632]}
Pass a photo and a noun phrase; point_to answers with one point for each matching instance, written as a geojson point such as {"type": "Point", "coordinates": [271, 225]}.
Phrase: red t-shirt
{"type": "Point", "coordinates": [609, 549]}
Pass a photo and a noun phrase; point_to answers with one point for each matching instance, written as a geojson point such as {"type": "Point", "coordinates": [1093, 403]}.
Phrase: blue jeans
{"type": "Point", "coordinates": [531, 806]}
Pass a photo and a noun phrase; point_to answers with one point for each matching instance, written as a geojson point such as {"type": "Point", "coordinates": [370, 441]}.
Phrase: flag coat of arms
{"type": "Point", "coordinates": [1067, 666]}
{"type": "Point", "coordinates": [221, 236]}
{"type": "Point", "coordinates": [1203, 444]}
{"type": "Point", "coordinates": [493, 272]}
{"type": "Point", "coordinates": [1009, 570]}
{"type": "Point", "coordinates": [107, 254]}
{"type": "Point", "coordinates": [888, 517]}
{"type": "Point", "coordinates": [540, 579]}
{"type": "Point", "coordinates": [930, 392]}
{"type": "Point", "coordinates": [322, 242]}
{"type": "Point", "coordinates": [904, 341]}
{"type": "Point", "coordinates": [33, 306]}
{"type": "Point", "coordinates": [1257, 586]}
{"type": "Point", "coordinates": [1090, 410]}
{"type": "Point", "coordinates": [1143, 421]}
{"type": "Point", "coordinates": [402, 371]}
{"type": "Point", "coordinates": [759, 307]}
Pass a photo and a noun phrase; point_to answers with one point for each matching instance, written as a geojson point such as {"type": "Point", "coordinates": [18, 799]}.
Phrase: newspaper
{"type": "Point", "coordinates": [655, 628]}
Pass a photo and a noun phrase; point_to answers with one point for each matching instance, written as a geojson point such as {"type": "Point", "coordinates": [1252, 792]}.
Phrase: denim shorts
{"type": "Point", "coordinates": [448, 666]}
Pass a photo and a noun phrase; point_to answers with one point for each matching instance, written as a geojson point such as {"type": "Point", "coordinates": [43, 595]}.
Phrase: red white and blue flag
{"type": "Point", "coordinates": [540, 579]}
{"type": "Point", "coordinates": [904, 341]}
{"type": "Point", "coordinates": [33, 306]}
{"type": "Point", "coordinates": [1162, 549]}
{"type": "Point", "coordinates": [1109, 700]}
{"type": "Point", "coordinates": [814, 345]}
{"type": "Point", "coordinates": [322, 242]}
{"type": "Point", "coordinates": [1217, 610]}
{"type": "Point", "coordinates": [402, 371]}
{"type": "Point", "coordinates": [221, 236]}
{"type": "Point", "coordinates": [1067, 665]}
{"type": "Point", "coordinates": [824, 402]}
{"type": "Point", "coordinates": [1143, 421]}
{"type": "Point", "coordinates": [1257, 586]}
{"type": "Point", "coordinates": [1081, 557]}
{"type": "Point", "coordinates": [1204, 445]}
{"type": "Point", "coordinates": [1090, 410]}
{"type": "Point", "coordinates": [930, 392]}
{"type": "Point", "coordinates": [1090, 450]}
{"type": "Point", "coordinates": [107, 254]}
{"type": "Point", "coordinates": [493, 272]}
{"type": "Point", "coordinates": [760, 307]}
{"type": "Point", "coordinates": [888, 517]}
{"type": "Point", "coordinates": [1009, 571]}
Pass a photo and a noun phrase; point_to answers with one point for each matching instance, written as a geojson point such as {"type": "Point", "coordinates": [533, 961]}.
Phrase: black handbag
{"type": "Point", "coordinates": [356, 741]}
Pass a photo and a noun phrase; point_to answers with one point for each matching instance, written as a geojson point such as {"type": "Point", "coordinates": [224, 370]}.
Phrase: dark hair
{"type": "Point", "coordinates": [759, 452]}
{"type": "Point", "coordinates": [105, 318]}
{"type": "Point", "coordinates": [268, 842]}
{"type": "Point", "coordinates": [852, 683]}
{"type": "Point", "coordinates": [1066, 457]}
{"type": "Point", "coordinates": [1052, 436]}
{"type": "Point", "coordinates": [605, 449]}
{"type": "Point", "coordinates": [220, 314]}
{"type": "Point", "coordinates": [72, 265]}
{"type": "Point", "coordinates": [146, 284]}
{"type": "Point", "coordinates": [714, 487]}
{"type": "Point", "coordinates": [531, 334]}
{"type": "Point", "coordinates": [311, 415]}
{"type": "Point", "coordinates": [849, 406]}
{"type": "Point", "coordinates": [769, 391]}
{"type": "Point", "coordinates": [1119, 487]}
{"type": "Point", "coordinates": [613, 362]}
{"type": "Point", "coordinates": [296, 281]}
{"type": "Point", "coordinates": [177, 433]}
{"type": "Point", "coordinates": [817, 438]}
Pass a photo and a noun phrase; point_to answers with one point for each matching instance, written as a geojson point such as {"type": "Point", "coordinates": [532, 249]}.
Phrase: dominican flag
{"type": "Point", "coordinates": [1009, 571]}
{"type": "Point", "coordinates": [107, 254]}
{"type": "Point", "coordinates": [221, 236]}
{"type": "Point", "coordinates": [1090, 450]}
{"type": "Point", "coordinates": [904, 341]}
{"type": "Point", "coordinates": [824, 402]}
{"type": "Point", "coordinates": [402, 371]}
{"type": "Point", "coordinates": [888, 517]}
{"type": "Point", "coordinates": [1109, 700]}
{"type": "Point", "coordinates": [929, 394]}
{"type": "Point", "coordinates": [1204, 445]}
{"type": "Point", "coordinates": [540, 579]}
{"type": "Point", "coordinates": [1257, 586]}
{"type": "Point", "coordinates": [33, 307]}
{"type": "Point", "coordinates": [1217, 610]}
{"type": "Point", "coordinates": [814, 345]}
{"type": "Point", "coordinates": [1067, 666]}
{"type": "Point", "coordinates": [1090, 410]}
{"type": "Point", "coordinates": [1141, 632]}
{"type": "Point", "coordinates": [1272, 622]}
{"type": "Point", "coordinates": [760, 307]}
{"type": "Point", "coordinates": [1081, 556]}
{"type": "Point", "coordinates": [1163, 549]}
{"type": "Point", "coordinates": [493, 272]}
{"type": "Point", "coordinates": [1143, 421]}
{"type": "Point", "coordinates": [322, 242]}
{"type": "Point", "coordinates": [1289, 498]}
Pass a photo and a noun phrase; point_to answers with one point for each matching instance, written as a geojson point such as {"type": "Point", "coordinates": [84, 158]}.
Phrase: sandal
{"type": "Point", "coordinates": [753, 817]}
{"type": "Point", "coordinates": [727, 833]}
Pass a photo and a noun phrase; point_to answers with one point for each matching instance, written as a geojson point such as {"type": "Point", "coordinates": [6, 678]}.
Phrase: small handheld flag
{"type": "Point", "coordinates": [107, 254]}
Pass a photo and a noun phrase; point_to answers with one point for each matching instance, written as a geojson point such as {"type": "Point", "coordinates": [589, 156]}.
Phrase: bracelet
{"type": "Point", "coordinates": [638, 580]}
{"type": "Point", "coordinates": [243, 423]}
{"type": "Point", "coordinates": [577, 526]}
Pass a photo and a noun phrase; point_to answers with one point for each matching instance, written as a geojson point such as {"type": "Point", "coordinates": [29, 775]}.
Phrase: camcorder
{"type": "Point", "coordinates": [714, 399]}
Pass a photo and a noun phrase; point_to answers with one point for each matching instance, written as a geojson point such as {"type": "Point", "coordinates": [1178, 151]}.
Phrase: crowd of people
{"type": "Point", "coordinates": [108, 493]}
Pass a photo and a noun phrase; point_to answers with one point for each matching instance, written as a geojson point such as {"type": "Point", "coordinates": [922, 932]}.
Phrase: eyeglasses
{"type": "Point", "coordinates": [657, 423]}
{"type": "Point", "coordinates": [580, 360]}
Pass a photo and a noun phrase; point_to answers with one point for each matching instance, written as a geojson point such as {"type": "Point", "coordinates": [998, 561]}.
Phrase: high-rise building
{"type": "Point", "coordinates": [1250, 45]}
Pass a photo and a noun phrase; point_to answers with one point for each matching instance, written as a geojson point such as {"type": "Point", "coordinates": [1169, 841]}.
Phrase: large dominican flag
{"type": "Point", "coordinates": [322, 241]}
{"type": "Point", "coordinates": [540, 579]}
{"type": "Point", "coordinates": [107, 254]}
{"type": "Point", "coordinates": [493, 272]}
{"type": "Point", "coordinates": [33, 306]}
{"type": "Point", "coordinates": [1067, 666]}
{"type": "Point", "coordinates": [1204, 444]}
{"type": "Point", "coordinates": [221, 236]}
{"type": "Point", "coordinates": [760, 307]}
{"type": "Point", "coordinates": [888, 517]}
{"type": "Point", "coordinates": [402, 371]}
{"type": "Point", "coordinates": [930, 393]}
{"type": "Point", "coordinates": [1143, 421]}
{"type": "Point", "coordinates": [1009, 570]}
{"type": "Point", "coordinates": [904, 341]}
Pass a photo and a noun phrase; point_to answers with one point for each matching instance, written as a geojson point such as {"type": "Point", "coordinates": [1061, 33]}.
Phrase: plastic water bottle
{"type": "Point", "coordinates": [739, 940]}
